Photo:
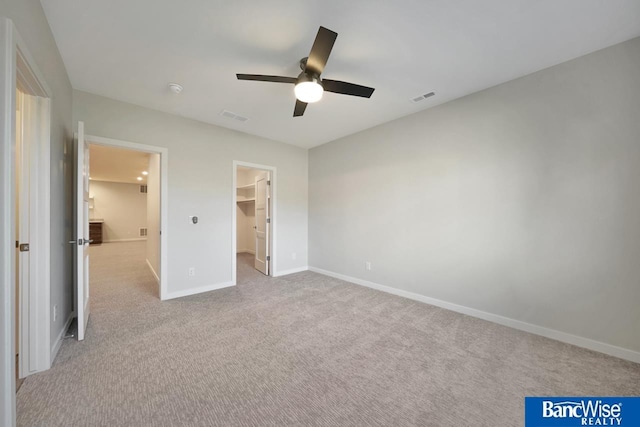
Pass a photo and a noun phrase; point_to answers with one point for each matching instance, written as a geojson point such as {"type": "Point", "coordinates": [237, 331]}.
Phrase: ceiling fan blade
{"type": "Point", "coordinates": [320, 50]}
{"type": "Point", "coordinates": [300, 107]}
{"type": "Point", "coordinates": [262, 78]}
{"type": "Point", "coordinates": [336, 86]}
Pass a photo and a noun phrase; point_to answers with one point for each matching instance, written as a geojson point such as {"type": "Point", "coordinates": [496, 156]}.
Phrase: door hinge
{"type": "Point", "coordinates": [269, 182]}
{"type": "Point", "coordinates": [24, 247]}
{"type": "Point", "coordinates": [17, 244]}
{"type": "Point", "coordinates": [268, 220]}
{"type": "Point", "coordinates": [268, 257]}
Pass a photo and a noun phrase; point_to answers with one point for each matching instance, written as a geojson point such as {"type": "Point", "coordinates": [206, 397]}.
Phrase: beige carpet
{"type": "Point", "coordinates": [299, 350]}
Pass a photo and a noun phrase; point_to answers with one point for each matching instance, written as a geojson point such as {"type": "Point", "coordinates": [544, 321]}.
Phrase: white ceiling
{"type": "Point", "coordinates": [117, 164]}
{"type": "Point", "coordinates": [129, 50]}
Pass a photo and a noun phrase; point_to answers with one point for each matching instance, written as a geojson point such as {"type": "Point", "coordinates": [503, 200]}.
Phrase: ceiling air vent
{"type": "Point", "coordinates": [230, 115]}
{"type": "Point", "coordinates": [143, 188]}
{"type": "Point", "coordinates": [422, 97]}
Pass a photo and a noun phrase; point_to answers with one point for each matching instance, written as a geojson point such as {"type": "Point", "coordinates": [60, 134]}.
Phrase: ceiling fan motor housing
{"type": "Point", "coordinates": [305, 77]}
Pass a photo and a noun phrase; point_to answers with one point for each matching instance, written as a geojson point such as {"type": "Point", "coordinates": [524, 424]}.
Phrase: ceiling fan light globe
{"type": "Point", "coordinates": [309, 91]}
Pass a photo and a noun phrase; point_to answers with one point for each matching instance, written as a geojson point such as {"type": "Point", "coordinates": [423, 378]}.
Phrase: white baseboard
{"type": "Point", "coordinates": [246, 251]}
{"type": "Point", "coordinates": [136, 239]}
{"type": "Point", "coordinates": [290, 271]}
{"type": "Point", "coordinates": [60, 337]}
{"type": "Point", "coordinates": [198, 290]}
{"type": "Point", "coordinates": [153, 272]}
{"type": "Point", "coordinates": [587, 343]}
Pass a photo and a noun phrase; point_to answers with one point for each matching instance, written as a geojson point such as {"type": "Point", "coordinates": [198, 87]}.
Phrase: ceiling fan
{"type": "Point", "coordinates": [308, 85]}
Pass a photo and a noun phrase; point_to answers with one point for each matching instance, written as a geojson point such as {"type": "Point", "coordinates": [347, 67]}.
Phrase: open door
{"type": "Point", "coordinates": [263, 220]}
{"type": "Point", "coordinates": [32, 288]}
{"type": "Point", "coordinates": [23, 216]}
{"type": "Point", "coordinates": [82, 232]}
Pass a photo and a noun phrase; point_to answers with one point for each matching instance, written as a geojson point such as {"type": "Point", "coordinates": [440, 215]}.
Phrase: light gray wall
{"type": "Point", "coordinates": [122, 207]}
{"type": "Point", "coordinates": [521, 200]}
{"type": "Point", "coordinates": [245, 221]}
{"type": "Point", "coordinates": [200, 183]}
{"type": "Point", "coordinates": [153, 213]}
{"type": "Point", "coordinates": [30, 21]}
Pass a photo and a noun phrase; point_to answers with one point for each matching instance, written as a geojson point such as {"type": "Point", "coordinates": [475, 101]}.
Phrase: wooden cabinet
{"type": "Point", "coordinates": [95, 232]}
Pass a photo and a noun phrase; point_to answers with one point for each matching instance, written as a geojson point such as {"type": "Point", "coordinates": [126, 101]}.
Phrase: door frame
{"type": "Point", "coordinates": [18, 64]}
{"type": "Point", "coordinates": [273, 215]}
{"type": "Point", "coordinates": [164, 197]}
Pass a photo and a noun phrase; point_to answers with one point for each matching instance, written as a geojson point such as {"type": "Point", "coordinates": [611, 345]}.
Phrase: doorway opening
{"type": "Point", "coordinates": [25, 322]}
{"type": "Point", "coordinates": [127, 205]}
{"type": "Point", "coordinates": [253, 218]}
{"type": "Point", "coordinates": [32, 224]}
{"type": "Point", "coordinates": [124, 209]}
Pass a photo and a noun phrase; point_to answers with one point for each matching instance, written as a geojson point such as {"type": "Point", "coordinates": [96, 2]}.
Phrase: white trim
{"type": "Point", "coordinates": [13, 53]}
{"type": "Point", "coordinates": [587, 343]}
{"type": "Point", "coordinates": [291, 271]}
{"type": "Point", "coordinates": [135, 239]}
{"type": "Point", "coordinates": [164, 199]}
{"type": "Point", "coordinates": [39, 84]}
{"type": "Point", "coordinates": [155, 275]}
{"type": "Point", "coordinates": [274, 217]}
{"type": "Point", "coordinates": [198, 290]}
{"type": "Point", "coordinates": [7, 223]}
{"type": "Point", "coordinates": [60, 337]}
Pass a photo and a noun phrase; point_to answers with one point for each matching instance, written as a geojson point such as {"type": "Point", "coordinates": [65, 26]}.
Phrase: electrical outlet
{"type": "Point", "coordinates": [55, 313]}
{"type": "Point", "coordinates": [192, 271]}
{"type": "Point", "coordinates": [294, 255]}
{"type": "Point", "coordinates": [367, 265]}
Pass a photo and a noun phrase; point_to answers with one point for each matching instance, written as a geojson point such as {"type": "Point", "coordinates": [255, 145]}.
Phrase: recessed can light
{"type": "Point", "coordinates": [145, 173]}
{"type": "Point", "coordinates": [139, 178]}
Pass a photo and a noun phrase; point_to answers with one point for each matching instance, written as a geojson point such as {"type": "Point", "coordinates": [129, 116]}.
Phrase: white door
{"type": "Point", "coordinates": [22, 227]}
{"type": "Point", "coordinates": [32, 349]}
{"type": "Point", "coordinates": [82, 232]}
{"type": "Point", "coordinates": [262, 222]}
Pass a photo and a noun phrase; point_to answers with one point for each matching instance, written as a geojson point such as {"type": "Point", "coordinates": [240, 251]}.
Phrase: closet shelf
{"type": "Point", "coordinates": [246, 200]}
{"type": "Point", "coordinates": [242, 187]}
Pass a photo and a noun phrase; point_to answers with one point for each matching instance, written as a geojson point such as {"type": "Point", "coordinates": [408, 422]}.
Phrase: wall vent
{"type": "Point", "coordinates": [231, 115]}
{"type": "Point", "coordinates": [143, 189]}
{"type": "Point", "coordinates": [422, 97]}
{"type": "Point", "coordinates": [143, 232]}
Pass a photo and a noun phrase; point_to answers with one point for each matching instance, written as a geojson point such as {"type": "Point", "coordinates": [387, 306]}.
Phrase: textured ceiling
{"type": "Point", "coordinates": [129, 50]}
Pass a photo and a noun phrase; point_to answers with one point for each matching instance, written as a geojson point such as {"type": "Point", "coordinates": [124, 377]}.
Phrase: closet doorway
{"type": "Point", "coordinates": [254, 216]}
